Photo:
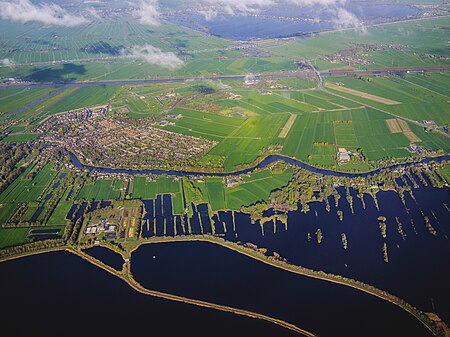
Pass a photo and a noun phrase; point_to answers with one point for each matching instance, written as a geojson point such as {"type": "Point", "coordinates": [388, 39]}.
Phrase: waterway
{"type": "Point", "coordinates": [59, 294]}
{"type": "Point", "coordinates": [264, 163]}
{"type": "Point", "coordinates": [417, 270]}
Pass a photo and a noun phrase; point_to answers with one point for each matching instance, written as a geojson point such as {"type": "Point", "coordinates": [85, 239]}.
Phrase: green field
{"type": "Point", "coordinates": [216, 193]}
{"type": "Point", "coordinates": [101, 190]}
{"type": "Point", "coordinates": [256, 188]}
{"type": "Point", "coordinates": [244, 121]}
{"type": "Point", "coordinates": [15, 236]}
{"type": "Point", "coordinates": [445, 172]}
{"type": "Point", "coordinates": [422, 37]}
{"type": "Point", "coordinates": [19, 137]}
{"type": "Point", "coordinates": [58, 216]}
{"type": "Point", "coordinates": [26, 190]}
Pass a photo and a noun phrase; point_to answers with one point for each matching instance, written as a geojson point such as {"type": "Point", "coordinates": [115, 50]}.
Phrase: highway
{"type": "Point", "coordinates": [274, 75]}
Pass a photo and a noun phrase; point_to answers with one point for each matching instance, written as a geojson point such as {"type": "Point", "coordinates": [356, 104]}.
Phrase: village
{"type": "Point", "coordinates": [99, 140]}
{"type": "Point", "coordinates": [358, 53]}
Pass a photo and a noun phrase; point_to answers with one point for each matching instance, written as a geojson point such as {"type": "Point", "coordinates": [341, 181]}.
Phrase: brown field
{"type": "Point", "coordinates": [287, 127]}
{"type": "Point", "coordinates": [393, 125]}
{"type": "Point", "coordinates": [407, 131]}
{"type": "Point", "coordinates": [361, 94]}
{"type": "Point", "coordinates": [397, 125]}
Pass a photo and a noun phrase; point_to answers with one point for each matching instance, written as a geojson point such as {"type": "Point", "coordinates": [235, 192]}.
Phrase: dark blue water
{"type": "Point", "coordinates": [37, 213]}
{"type": "Point", "coordinates": [107, 256]}
{"type": "Point", "coordinates": [44, 234]}
{"type": "Point", "coordinates": [418, 262]}
{"type": "Point", "coordinates": [418, 269]}
{"type": "Point", "coordinates": [96, 205]}
{"type": "Point", "coordinates": [212, 273]}
{"type": "Point", "coordinates": [72, 211]}
{"type": "Point", "coordinates": [59, 294]}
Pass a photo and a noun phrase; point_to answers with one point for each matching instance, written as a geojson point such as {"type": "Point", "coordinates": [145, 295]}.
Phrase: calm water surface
{"type": "Point", "coordinates": [206, 271]}
{"type": "Point", "coordinates": [59, 294]}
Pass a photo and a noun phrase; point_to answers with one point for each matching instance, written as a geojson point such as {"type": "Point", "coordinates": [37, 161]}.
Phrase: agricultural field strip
{"type": "Point", "coordinates": [20, 91]}
{"type": "Point", "coordinates": [407, 131]}
{"type": "Point", "coordinates": [425, 88]}
{"type": "Point", "coordinates": [201, 132]}
{"type": "Point", "coordinates": [297, 110]}
{"type": "Point", "coordinates": [393, 125]}
{"type": "Point", "coordinates": [362, 94]}
{"type": "Point", "coordinates": [373, 107]}
{"type": "Point", "coordinates": [236, 131]}
{"type": "Point", "coordinates": [436, 81]}
{"type": "Point", "coordinates": [259, 108]}
{"type": "Point", "coordinates": [208, 120]}
{"type": "Point", "coordinates": [340, 109]}
{"type": "Point", "coordinates": [287, 127]}
{"type": "Point", "coordinates": [310, 93]}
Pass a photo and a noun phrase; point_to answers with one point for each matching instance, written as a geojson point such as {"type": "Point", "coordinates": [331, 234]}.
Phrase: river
{"type": "Point", "coordinates": [261, 165]}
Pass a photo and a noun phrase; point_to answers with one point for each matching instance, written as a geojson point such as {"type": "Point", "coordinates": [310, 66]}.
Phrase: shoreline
{"type": "Point", "coordinates": [126, 276]}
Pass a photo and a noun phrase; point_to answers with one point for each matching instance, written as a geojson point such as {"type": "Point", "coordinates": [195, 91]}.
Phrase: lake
{"type": "Point", "coordinates": [212, 273]}
{"type": "Point", "coordinates": [276, 22]}
{"type": "Point", "coordinates": [59, 294]}
{"type": "Point", "coordinates": [417, 270]}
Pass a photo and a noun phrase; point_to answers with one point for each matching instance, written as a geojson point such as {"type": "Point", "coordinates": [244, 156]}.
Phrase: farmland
{"type": "Point", "coordinates": [306, 121]}
{"type": "Point", "coordinates": [256, 188]}
{"type": "Point", "coordinates": [133, 123]}
{"type": "Point", "coordinates": [101, 190]}
{"type": "Point", "coordinates": [300, 119]}
{"type": "Point", "coordinates": [423, 36]}
{"type": "Point", "coordinates": [28, 190]}
{"type": "Point", "coordinates": [221, 126]}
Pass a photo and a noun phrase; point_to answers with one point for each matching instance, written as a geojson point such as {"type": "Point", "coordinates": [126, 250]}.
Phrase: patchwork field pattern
{"type": "Point", "coordinates": [362, 94]}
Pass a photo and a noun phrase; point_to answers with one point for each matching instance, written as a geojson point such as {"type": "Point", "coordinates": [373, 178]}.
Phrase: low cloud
{"type": "Point", "coordinates": [344, 19]}
{"type": "Point", "coordinates": [153, 55]}
{"type": "Point", "coordinates": [148, 13]}
{"type": "Point", "coordinates": [93, 13]}
{"type": "Point", "coordinates": [48, 14]}
{"type": "Point", "coordinates": [7, 63]}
